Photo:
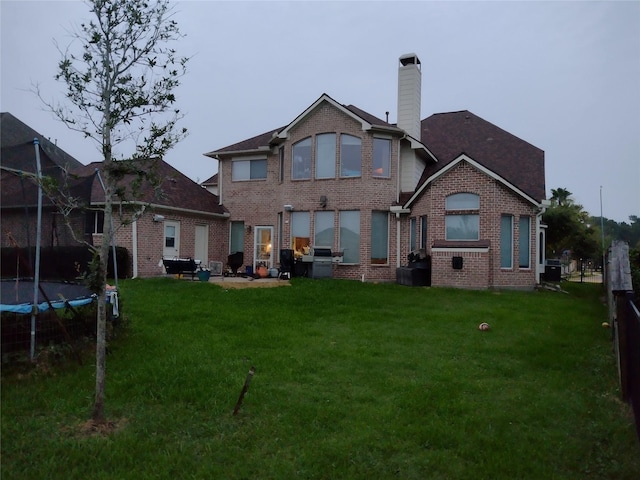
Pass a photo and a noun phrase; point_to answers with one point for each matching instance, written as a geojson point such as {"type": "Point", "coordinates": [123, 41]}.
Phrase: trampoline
{"type": "Point", "coordinates": [17, 295]}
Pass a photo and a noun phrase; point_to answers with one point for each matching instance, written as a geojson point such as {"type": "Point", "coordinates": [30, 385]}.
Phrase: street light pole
{"type": "Point", "coordinates": [602, 233]}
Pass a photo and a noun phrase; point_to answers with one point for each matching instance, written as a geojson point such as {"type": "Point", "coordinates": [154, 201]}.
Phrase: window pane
{"type": "Point", "coordinates": [324, 229]}
{"type": "Point", "coordinates": [169, 236]}
{"type": "Point", "coordinates": [350, 236]}
{"type": "Point", "coordinates": [302, 160]}
{"type": "Point", "coordinates": [506, 241]}
{"type": "Point", "coordinates": [326, 155]}
{"type": "Point", "coordinates": [423, 232]}
{"type": "Point", "coordinates": [525, 239]}
{"type": "Point", "coordinates": [240, 170]}
{"type": "Point", "coordinates": [412, 234]}
{"type": "Point", "coordinates": [463, 201]}
{"type": "Point", "coordinates": [236, 244]}
{"type": "Point", "coordinates": [300, 233]}
{"type": "Point", "coordinates": [381, 157]}
{"type": "Point", "coordinates": [379, 237]}
{"type": "Point", "coordinates": [350, 156]}
{"type": "Point", "coordinates": [462, 227]}
{"type": "Point", "coordinates": [258, 169]}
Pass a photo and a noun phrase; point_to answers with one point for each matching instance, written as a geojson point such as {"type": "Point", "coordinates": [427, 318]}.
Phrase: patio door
{"type": "Point", "coordinates": [262, 249]}
{"type": "Point", "coordinates": [171, 239]}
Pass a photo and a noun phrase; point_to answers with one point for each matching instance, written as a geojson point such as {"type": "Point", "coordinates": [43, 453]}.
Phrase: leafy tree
{"type": "Point", "coordinates": [569, 228]}
{"type": "Point", "coordinates": [120, 86]}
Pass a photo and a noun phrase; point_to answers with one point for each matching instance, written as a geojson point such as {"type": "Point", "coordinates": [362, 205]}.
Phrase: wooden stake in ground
{"type": "Point", "coordinates": [245, 387]}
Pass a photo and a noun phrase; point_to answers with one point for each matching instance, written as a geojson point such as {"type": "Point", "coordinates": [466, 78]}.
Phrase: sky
{"type": "Point", "coordinates": [563, 76]}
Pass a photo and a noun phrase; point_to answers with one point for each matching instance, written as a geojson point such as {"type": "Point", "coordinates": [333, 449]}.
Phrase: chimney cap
{"type": "Point", "coordinates": [409, 59]}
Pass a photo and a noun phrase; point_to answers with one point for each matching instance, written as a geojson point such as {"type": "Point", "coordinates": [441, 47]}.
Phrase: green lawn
{"type": "Point", "coordinates": [353, 381]}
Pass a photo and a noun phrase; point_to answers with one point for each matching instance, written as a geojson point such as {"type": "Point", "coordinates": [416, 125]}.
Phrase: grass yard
{"type": "Point", "coordinates": [353, 381]}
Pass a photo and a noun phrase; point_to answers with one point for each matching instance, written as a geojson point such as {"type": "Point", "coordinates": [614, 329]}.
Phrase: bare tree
{"type": "Point", "coordinates": [120, 74]}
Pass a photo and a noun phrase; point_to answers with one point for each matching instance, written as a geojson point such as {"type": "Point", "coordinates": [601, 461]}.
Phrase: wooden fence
{"type": "Point", "coordinates": [625, 319]}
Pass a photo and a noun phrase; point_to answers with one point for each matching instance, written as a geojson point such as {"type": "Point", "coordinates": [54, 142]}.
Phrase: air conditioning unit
{"type": "Point", "coordinates": [215, 267]}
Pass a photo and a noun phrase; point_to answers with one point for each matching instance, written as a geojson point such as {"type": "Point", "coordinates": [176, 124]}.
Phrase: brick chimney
{"type": "Point", "coordinates": [409, 94]}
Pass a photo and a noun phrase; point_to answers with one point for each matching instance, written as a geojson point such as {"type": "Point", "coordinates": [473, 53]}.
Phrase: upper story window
{"type": "Point", "coordinates": [462, 220]}
{"type": "Point", "coordinates": [326, 155]}
{"type": "Point", "coordinates": [301, 160]}
{"type": "Point", "coordinates": [350, 156]}
{"type": "Point", "coordinates": [381, 157]}
{"type": "Point", "coordinates": [249, 170]}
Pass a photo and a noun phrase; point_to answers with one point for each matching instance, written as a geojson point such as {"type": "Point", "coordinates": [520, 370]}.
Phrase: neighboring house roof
{"type": "Point", "coordinates": [176, 191]}
{"type": "Point", "coordinates": [450, 135]}
{"type": "Point", "coordinates": [212, 181]}
{"type": "Point", "coordinates": [18, 162]}
{"type": "Point", "coordinates": [14, 133]}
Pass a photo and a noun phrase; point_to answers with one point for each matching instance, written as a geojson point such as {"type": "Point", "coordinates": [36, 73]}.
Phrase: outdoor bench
{"type": "Point", "coordinates": [178, 266]}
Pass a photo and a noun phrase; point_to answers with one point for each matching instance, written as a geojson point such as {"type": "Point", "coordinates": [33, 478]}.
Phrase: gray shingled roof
{"type": "Point", "coordinates": [448, 135]}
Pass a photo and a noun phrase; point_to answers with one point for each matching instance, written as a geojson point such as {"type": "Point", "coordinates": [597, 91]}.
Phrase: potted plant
{"type": "Point", "coordinates": [204, 274]}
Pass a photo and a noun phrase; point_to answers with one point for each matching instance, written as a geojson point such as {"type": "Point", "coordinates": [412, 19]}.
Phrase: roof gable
{"type": "Point", "coordinates": [465, 158]}
{"type": "Point", "coordinates": [449, 135]}
{"type": "Point", "coordinates": [262, 143]}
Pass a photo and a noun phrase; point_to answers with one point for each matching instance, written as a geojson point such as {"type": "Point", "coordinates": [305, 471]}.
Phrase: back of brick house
{"type": "Point", "coordinates": [452, 187]}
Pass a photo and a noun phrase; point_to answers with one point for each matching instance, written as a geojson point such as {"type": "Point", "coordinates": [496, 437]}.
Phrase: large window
{"type": "Point", "coordinates": [326, 155]}
{"type": "Point", "coordinates": [462, 221]}
{"type": "Point", "coordinates": [300, 233]}
{"type": "Point", "coordinates": [350, 236]}
{"type": "Point", "coordinates": [236, 243]}
{"type": "Point", "coordinates": [324, 229]}
{"type": "Point", "coordinates": [301, 160]}
{"type": "Point", "coordinates": [381, 157]}
{"type": "Point", "coordinates": [350, 156]}
{"type": "Point", "coordinates": [249, 170]}
{"type": "Point", "coordinates": [524, 235]}
{"type": "Point", "coordinates": [506, 241]}
{"type": "Point", "coordinates": [379, 238]}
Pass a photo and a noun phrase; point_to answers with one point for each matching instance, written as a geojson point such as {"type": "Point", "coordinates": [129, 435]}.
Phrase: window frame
{"type": "Point", "coordinates": [325, 160]}
{"type": "Point", "coordinates": [299, 172]}
{"type": "Point", "coordinates": [251, 163]}
{"type": "Point", "coordinates": [524, 243]}
{"type": "Point", "coordinates": [376, 141]}
{"type": "Point", "coordinates": [460, 209]}
{"type": "Point", "coordinates": [506, 242]}
{"type": "Point", "coordinates": [379, 238]}
{"type": "Point", "coordinates": [349, 258]}
{"type": "Point", "coordinates": [343, 150]}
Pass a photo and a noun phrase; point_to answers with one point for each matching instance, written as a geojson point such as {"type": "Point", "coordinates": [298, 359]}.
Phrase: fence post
{"type": "Point", "coordinates": [619, 276]}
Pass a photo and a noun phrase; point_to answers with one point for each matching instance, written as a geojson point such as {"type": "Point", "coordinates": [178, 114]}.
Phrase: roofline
{"type": "Point", "coordinates": [465, 158]}
{"type": "Point", "coordinates": [217, 153]}
{"type": "Point", "coordinates": [284, 133]}
{"type": "Point", "coordinates": [175, 209]}
{"type": "Point", "coordinates": [418, 145]}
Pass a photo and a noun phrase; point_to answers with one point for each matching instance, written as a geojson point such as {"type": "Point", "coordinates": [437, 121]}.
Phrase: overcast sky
{"type": "Point", "coordinates": [564, 76]}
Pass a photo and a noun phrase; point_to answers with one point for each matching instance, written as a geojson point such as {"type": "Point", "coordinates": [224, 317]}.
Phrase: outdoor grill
{"type": "Point", "coordinates": [322, 264]}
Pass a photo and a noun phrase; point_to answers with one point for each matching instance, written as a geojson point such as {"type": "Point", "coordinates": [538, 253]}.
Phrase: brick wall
{"type": "Point", "coordinates": [150, 239]}
{"type": "Point", "coordinates": [480, 270]}
{"type": "Point", "coordinates": [257, 203]}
